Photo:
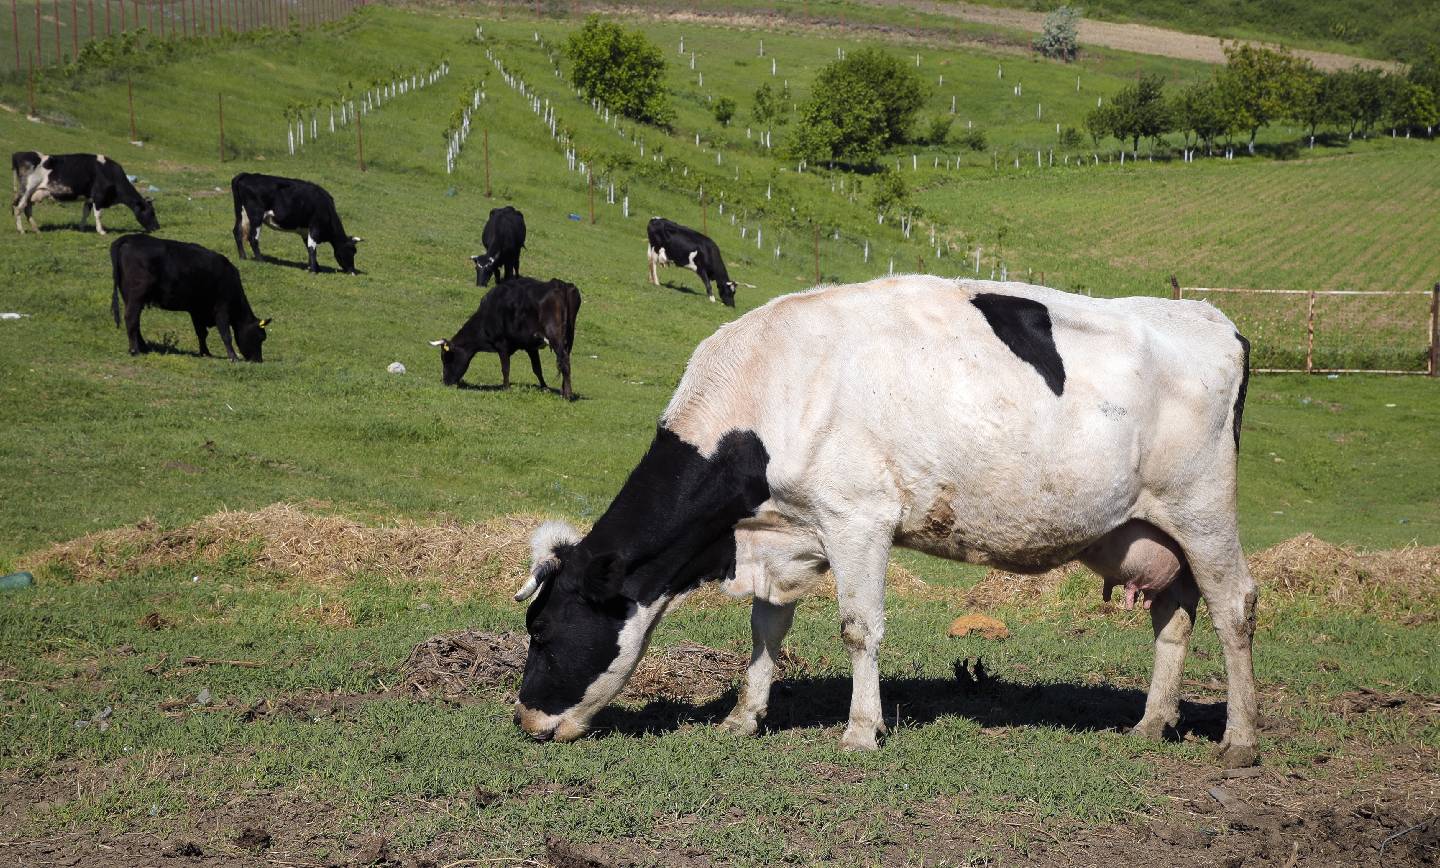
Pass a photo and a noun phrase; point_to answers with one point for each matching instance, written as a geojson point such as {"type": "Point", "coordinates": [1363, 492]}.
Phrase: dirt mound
{"type": "Point", "coordinates": [473, 663]}
{"type": "Point", "coordinates": [1407, 578]}
{"type": "Point", "coordinates": [319, 549]}
{"type": "Point", "coordinates": [999, 588]}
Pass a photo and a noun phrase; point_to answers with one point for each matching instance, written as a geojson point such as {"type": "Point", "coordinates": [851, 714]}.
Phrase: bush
{"type": "Point", "coordinates": [1058, 36]}
{"type": "Point", "coordinates": [890, 191]}
{"type": "Point", "coordinates": [939, 130]}
{"type": "Point", "coordinates": [974, 139]}
{"type": "Point", "coordinates": [724, 110]}
{"type": "Point", "coordinates": [1070, 139]}
{"type": "Point", "coordinates": [622, 69]}
{"type": "Point", "coordinates": [861, 104]}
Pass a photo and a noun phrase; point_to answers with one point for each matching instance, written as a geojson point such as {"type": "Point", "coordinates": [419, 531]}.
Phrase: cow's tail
{"type": "Point", "coordinates": [1239, 409]}
{"type": "Point", "coordinates": [573, 315]}
{"type": "Point", "coordinates": [115, 276]}
{"type": "Point", "coordinates": [235, 196]}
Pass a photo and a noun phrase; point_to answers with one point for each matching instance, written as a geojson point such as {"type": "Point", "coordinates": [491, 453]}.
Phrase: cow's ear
{"type": "Point", "coordinates": [602, 577]}
{"type": "Point", "coordinates": [265, 323]}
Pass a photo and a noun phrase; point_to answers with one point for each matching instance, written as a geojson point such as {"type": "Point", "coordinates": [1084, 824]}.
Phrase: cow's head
{"type": "Point", "coordinates": [454, 362]}
{"type": "Point", "coordinates": [586, 637]}
{"type": "Point", "coordinates": [145, 213]}
{"type": "Point", "coordinates": [484, 268]}
{"type": "Point", "coordinates": [727, 292]}
{"type": "Point", "coordinates": [345, 253]}
{"type": "Point", "coordinates": [250, 338]}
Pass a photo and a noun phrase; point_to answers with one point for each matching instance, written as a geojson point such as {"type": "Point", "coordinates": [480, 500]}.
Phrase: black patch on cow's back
{"type": "Point", "coordinates": [1023, 325]}
{"type": "Point", "coordinates": [1244, 384]}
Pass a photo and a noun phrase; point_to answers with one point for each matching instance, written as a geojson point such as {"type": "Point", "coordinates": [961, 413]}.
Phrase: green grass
{"type": "Point", "coordinates": [97, 439]}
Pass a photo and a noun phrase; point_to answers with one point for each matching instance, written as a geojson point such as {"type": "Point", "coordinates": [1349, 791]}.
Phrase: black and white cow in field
{"type": "Point", "coordinates": [673, 244]}
{"type": "Point", "coordinates": [95, 179]}
{"type": "Point", "coordinates": [290, 205]}
{"type": "Point", "coordinates": [174, 275]}
{"type": "Point", "coordinates": [993, 423]}
{"type": "Point", "coordinates": [518, 314]}
{"type": "Point", "coordinates": [503, 237]}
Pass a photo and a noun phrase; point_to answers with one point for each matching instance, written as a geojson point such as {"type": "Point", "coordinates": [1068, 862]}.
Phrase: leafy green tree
{"type": "Point", "coordinates": [1140, 111]}
{"type": "Point", "coordinates": [1257, 86]}
{"type": "Point", "coordinates": [1070, 139]}
{"type": "Point", "coordinates": [939, 130]}
{"type": "Point", "coordinates": [1410, 105]}
{"type": "Point", "coordinates": [724, 110]}
{"type": "Point", "coordinates": [622, 69]}
{"type": "Point", "coordinates": [1426, 71]}
{"type": "Point", "coordinates": [1059, 34]}
{"type": "Point", "coordinates": [1199, 111]}
{"type": "Point", "coordinates": [770, 106]}
{"type": "Point", "coordinates": [890, 192]}
{"type": "Point", "coordinates": [1100, 123]}
{"type": "Point", "coordinates": [1309, 99]}
{"type": "Point", "coordinates": [861, 104]}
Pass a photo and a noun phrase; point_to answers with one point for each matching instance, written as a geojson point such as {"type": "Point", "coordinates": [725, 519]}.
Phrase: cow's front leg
{"type": "Point", "coordinates": [99, 227]}
{"type": "Point", "coordinates": [85, 212]}
{"type": "Point", "coordinates": [201, 333]}
{"type": "Point", "coordinates": [768, 625]}
{"type": "Point", "coordinates": [222, 325]}
{"type": "Point", "coordinates": [709, 292]}
{"type": "Point", "coordinates": [858, 559]}
{"type": "Point", "coordinates": [534, 354]}
{"type": "Point", "coordinates": [310, 248]}
{"type": "Point", "coordinates": [1173, 617]}
{"type": "Point", "coordinates": [505, 367]}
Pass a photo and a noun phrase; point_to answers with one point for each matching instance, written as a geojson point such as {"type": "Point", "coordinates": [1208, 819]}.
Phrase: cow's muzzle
{"type": "Point", "coordinates": [546, 727]}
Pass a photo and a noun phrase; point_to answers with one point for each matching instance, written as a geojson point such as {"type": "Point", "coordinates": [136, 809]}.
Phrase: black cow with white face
{"type": "Point", "coordinates": [518, 314]}
{"type": "Point", "coordinates": [174, 275]}
{"type": "Point", "coordinates": [673, 244]}
{"type": "Point", "coordinates": [290, 205]}
{"type": "Point", "coordinates": [504, 236]}
{"type": "Point", "coordinates": [94, 179]}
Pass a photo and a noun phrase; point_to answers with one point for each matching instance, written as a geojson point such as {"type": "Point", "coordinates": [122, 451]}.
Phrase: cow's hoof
{"type": "Point", "coordinates": [1151, 728]}
{"type": "Point", "coordinates": [858, 739]}
{"type": "Point", "coordinates": [1236, 756]}
{"type": "Point", "coordinates": [740, 725]}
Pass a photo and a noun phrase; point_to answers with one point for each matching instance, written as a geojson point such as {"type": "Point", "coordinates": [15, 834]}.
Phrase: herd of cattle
{"type": "Point", "coordinates": [520, 313]}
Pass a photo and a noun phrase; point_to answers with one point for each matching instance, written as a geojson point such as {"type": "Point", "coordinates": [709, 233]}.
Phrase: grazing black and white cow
{"type": "Point", "coordinates": [993, 423]}
{"type": "Point", "coordinates": [290, 205]}
{"type": "Point", "coordinates": [95, 179]}
{"type": "Point", "coordinates": [518, 314]}
{"type": "Point", "coordinates": [174, 275]}
{"type": "Point", "coordinates": [504, 236]}
{"type": "Point", "coordinates": [673, 244]}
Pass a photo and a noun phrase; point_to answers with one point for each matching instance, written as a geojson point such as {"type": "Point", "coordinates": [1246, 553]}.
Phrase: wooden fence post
{"type": "Point", "coordinates": [130, 90]}
{"type": "Point", "coordinates": [74, 29]}
{"type": "Point", "coordinates": [39, 55]}
{"type": "Point", "coordinates": [30, 86]}
{"type": "Point", "coordinates": [1435, 331]}
{"type": "Point", "coordinates": [220, 101]}
{"type": "Point", "coordinates": [1310, 332]}
{"type": "Point", "coordinates": [704, 218]}
{"type": "Point", "coordinates": [1175, 292]}
{"type": "Point", "coordinates": [15, 25]}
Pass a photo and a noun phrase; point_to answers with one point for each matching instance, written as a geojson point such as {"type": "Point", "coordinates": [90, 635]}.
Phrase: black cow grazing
{"type": "Point", "coordinates": [289, 205]}
{"type": "Point", "coordinates": [174, 275]}
{"type": "Point", "coordinates": [673, 244]}
{"type": "Point", "coordinates": [518, 314]}
{"type": "Point", "coordinates": [97, 180]}
{"type": "Point", "coordinates": [503, 238]}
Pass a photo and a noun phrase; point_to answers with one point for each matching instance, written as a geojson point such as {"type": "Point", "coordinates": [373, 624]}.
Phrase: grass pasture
{"type": "Point", "coordinates": [413, 499]}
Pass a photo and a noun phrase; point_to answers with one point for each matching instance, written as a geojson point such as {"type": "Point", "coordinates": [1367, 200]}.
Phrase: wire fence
{"type": "Point", "coordinates": [1332, 331]}
{"type": "Point", "coordinates": [55, 32]}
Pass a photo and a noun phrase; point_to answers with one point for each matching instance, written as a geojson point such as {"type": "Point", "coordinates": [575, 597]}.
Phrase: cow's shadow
{"type": "Point", "coordinates": [299, 265]}
{"type": "Point", "coordinates": [681, 288]}
{"type": "Point", "coordinates": [809, 702]}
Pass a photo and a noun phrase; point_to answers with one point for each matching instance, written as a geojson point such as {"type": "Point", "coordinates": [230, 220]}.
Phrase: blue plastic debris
{"type": "Point", "coordinates": [575, 217]}
{"type": "Point", "coordinates": [16, 581]}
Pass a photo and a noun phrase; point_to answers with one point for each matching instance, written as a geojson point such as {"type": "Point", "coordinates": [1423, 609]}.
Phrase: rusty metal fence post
{"type": "Point", "coordinates": [1435, 331]}
{"type": "Point", "coordinates": [1175, 288]}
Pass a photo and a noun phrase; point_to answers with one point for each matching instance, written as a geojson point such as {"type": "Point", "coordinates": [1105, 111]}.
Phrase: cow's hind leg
{"type": "Point", "coordinates": [1172, 615]}
{"type": "Point", "coordinates": [132, 329]}
{"type": "Point", "coordinates": [768, 625]}
{"type": "Point", "coordinates": [85, 213]}
{"type": "Point", "coordinates": [1223, 579]}
{"type": "Point", "coordinates": [858, 558]}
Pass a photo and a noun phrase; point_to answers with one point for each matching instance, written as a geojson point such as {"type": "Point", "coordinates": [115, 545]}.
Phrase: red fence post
{"type": "Point", "coordinates": [1175, 292]}
{"type": "Point", "coordinates": [1435, 331]}
{"type": "Point", "coordinates": [59, 52]}
{"type": "Point", "coordinates": [15, 22]}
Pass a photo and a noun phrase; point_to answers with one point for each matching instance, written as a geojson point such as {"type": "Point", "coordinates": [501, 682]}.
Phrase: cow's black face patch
{"type": "Point", "coordinates": [671, 527]}
{"type": "Point", "coordinates": [345, 255]}
{"type": "Point", "coordinates": [1023, 325]}
{"type": "Point", "coordinates": [250, 339]}
{"type": "Point", "coordinates": [484, 269]}
{"type": "Point", "coordinates": [727, 293]}
{"type": "Point", "coordinates": [454, 362]}
{"type": "Point", "coordinates": [145, 213]}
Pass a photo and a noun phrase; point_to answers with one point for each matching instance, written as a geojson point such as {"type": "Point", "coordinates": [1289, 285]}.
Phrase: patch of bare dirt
{"type": "Point", "coordinates": [317, 549]}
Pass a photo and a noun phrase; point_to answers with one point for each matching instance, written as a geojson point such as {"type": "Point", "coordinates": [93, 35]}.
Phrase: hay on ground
{"type": "Point", "coordinates": [999, 588]}
{"type": "Point", "coordinates": [1307, 566]}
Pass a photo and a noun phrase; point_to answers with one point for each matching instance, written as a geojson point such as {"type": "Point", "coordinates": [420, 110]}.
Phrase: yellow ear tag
{"type": "Point", "coordinates": [264, 323]}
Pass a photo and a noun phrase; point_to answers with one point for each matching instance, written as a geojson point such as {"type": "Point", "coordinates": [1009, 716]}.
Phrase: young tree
{"type": "Point", "coordinates": [1140, 111]}
{"type": "Point", "coordinates": [1257, 85]}
{"type": "Point", "coordinates": [1059, 35]}
{"type": "Point", "coordinates": [1410, 105]}
{"type": "Point", "coordinates": [724, 110]}
{"type": "Point", "coordinates": [1100, 123]}
{"type": "Point", "coordinates": [890, 192]}
{"type": "Point", "coordinates": [622, 69]}
{"type": "Point", "coordinates": [861, 104]}
{"type": "Point", "coordinates": [1198, 110]}
{"type": "Point", "coordinates": [938, 131]}
{"type": "Point", "coordinates": [1309, 106]}
{"type": "Point", "coordinates": [769, 106]}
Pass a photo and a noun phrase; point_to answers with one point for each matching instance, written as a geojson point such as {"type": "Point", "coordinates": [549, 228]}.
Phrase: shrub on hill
{"type": "Point", "coordinates": [1059, 34]}
{"type": "Point", "coordinates": [622, 69]}
{"type": "Point", "coordinates": [860, 105]}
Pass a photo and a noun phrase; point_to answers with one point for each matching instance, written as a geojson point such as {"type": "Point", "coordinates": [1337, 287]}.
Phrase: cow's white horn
{"type": "Point", "coordinates": [527, 590]}
{"type": "Point", "coordinates": [439, 343]}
